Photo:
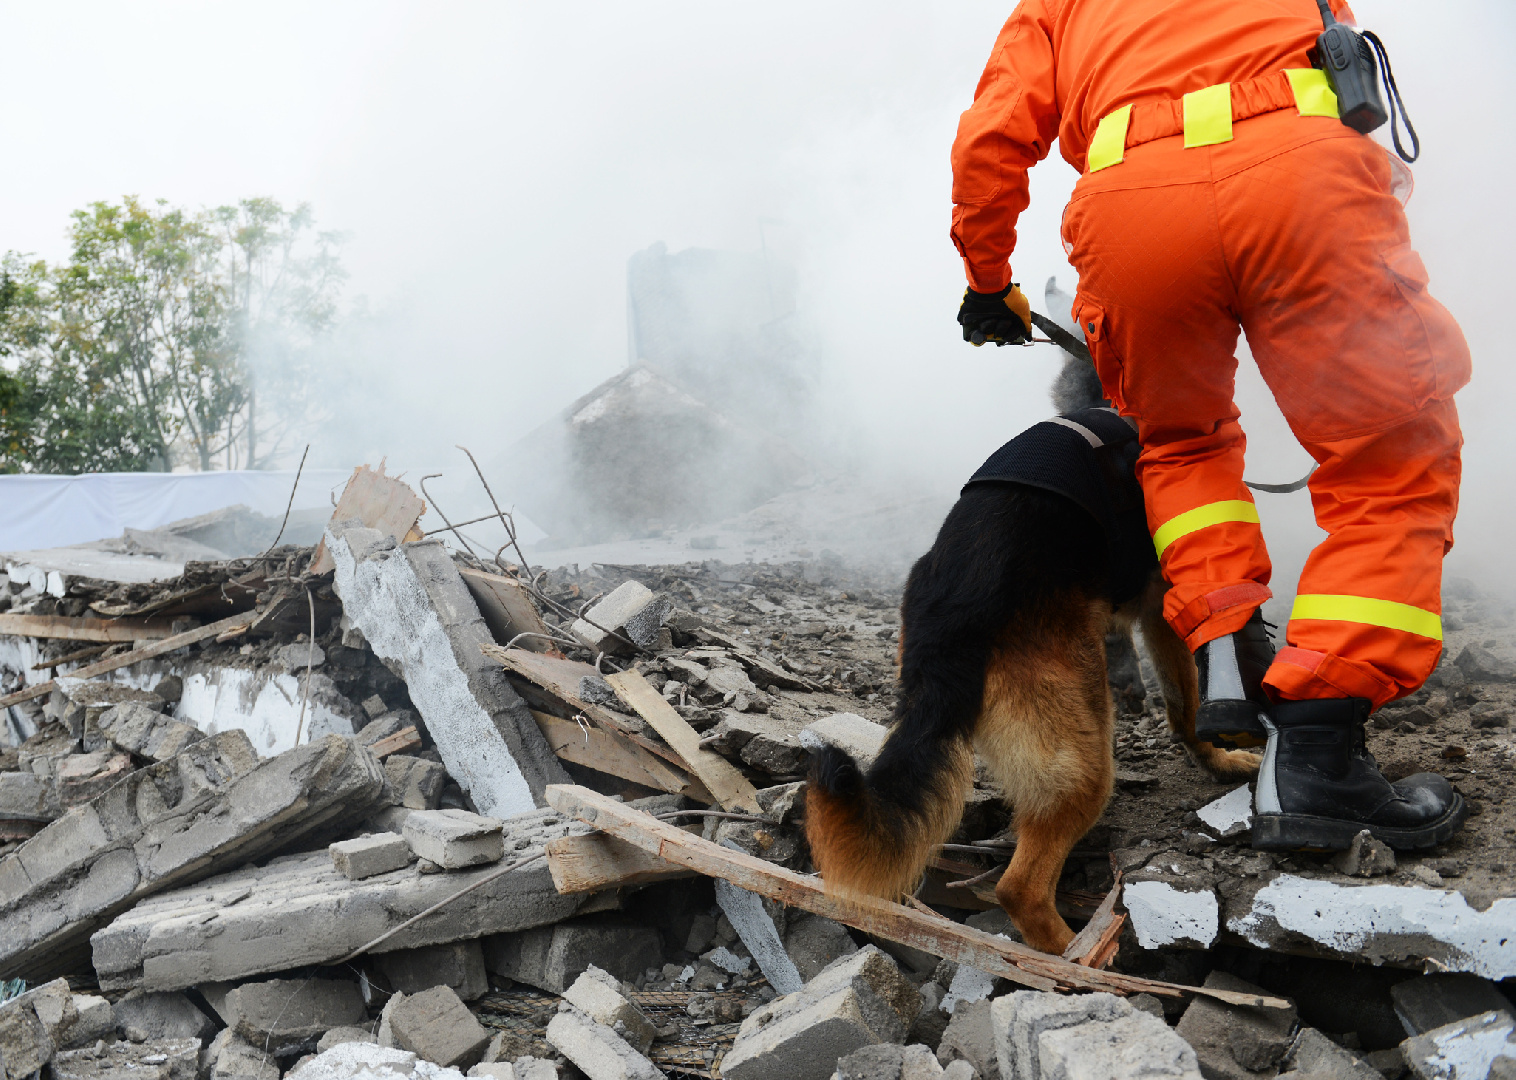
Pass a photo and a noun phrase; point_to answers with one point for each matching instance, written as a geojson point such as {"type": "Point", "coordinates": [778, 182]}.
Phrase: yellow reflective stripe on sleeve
{"type": "Point", "coordinates": [1313, 93]}
{"type": "Point", "coordinates": [1363, 609]}
{"type": "Point", "coordinates": [1108, 146]}
{"type": "Point", "coordinates": [1208, 115]}
{"type": "Point", "coordinates": [1203, 517]}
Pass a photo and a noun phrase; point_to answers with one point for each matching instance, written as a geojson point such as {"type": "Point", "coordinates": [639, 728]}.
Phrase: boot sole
{"type": "Point", "coordinates": [1302, 832]}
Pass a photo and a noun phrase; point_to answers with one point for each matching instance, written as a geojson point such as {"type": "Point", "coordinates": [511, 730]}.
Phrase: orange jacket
{"type": "Point", "coordinates": [1059, 66]}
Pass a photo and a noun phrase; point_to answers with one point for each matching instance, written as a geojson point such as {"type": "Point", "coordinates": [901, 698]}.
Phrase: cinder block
{"type": "Point", "coordinates": [598, 995]}
{"type": "Point", "coordinates": [437, 1026]}
{"type": "Point", "coordinates": [632, 609]}
{"type": "Point", "coordinates": [1019, 1020]}
{"type": "Point", "coordinates": [458, 965]}
{"type": "Point", "coordinates": [597, 1050]}
{"type": "Point", "coordinates": [369, 855]}
{"type": "Point", "coordinates": [454, 838]}
{"type": "Point", "coordinates": [1132, 1047]}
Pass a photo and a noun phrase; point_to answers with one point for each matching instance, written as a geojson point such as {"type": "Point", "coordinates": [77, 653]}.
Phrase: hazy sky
{"type": "Point", "coordinates": [495, 165]}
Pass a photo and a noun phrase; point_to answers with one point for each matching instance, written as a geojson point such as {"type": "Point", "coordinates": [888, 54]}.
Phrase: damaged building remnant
{"type": "Point", "coordinates": [417, 615]}
{"type": "Point", "coordinates": [213, 806]}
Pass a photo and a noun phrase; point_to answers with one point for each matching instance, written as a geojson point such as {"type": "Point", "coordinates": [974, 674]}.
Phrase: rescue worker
{"type": "Point", "coordinates": [1218, 191]}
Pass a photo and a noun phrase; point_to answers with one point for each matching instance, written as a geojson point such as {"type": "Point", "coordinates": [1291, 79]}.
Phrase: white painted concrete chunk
{"type": "Point", "coordinates": [1130, 1047]}
{"type": "Point", "coordinates": [1163, 915]}
{"type": "Point", "coordinates": [369, 855]}
{"type": "Point", "coordinates": [1463, 1050]}
{"type": "Point", "coordinates": [859, 737]}
{"type": "Point", "coordinates": [1230, 815]}
{"type": "Point", "coordinates": [368, 1061]}
{"type": "Point", "coordinates": [454, 838]}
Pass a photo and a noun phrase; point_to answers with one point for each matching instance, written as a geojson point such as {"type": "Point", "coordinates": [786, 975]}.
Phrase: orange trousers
{"type": "Point", "coordinates": [1290, 233]}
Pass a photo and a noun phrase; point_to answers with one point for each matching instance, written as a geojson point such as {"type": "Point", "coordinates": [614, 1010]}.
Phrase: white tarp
{"type": "Point", "coordinates": [43, 511]}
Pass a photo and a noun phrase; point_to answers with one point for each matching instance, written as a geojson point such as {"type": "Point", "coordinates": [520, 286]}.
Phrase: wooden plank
{"type": "Point", "coordinates": [509, 610]}
{"type": "Point", "coordinates": [380, 502]}
{"type": "Point", "coordinates": [70, 629]}
{"type": "Point", "coordinates": [403, 739]}
{"type": "Point", "coordinates": [931, 933]}
{"type": "Point", "coordinates": [615, 755]}
{"type": "Point", "coordinates": [598, 861]}
{"type": "Point", "coordinates": [730, 787]}
{"type": "Point", "coordinates": [1095, 945]}
{"type": "Point", "coordinates": [142, 652]}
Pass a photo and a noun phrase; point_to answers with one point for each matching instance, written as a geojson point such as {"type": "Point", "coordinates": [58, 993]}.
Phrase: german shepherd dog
{"type": "Point", "coordinates": [1003, 654]}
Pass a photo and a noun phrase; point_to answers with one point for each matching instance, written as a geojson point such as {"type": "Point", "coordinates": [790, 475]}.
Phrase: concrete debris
{"type": "Point", "coordinates": [813, 943]}
{"type": "Point", "coordinates": [887, 1061]}
{"type": "Point", "coordinates": [458, 965]}
{"type": "Point", "coordinates": [436, 1025]}
{"type": "Point", "coordinates": [416, 782]}
{"type": "Point", "coordinates": [859, 737]}
{"type": "Point", "coordinates": [631, 610]}
{"type": "Point", "coordinates": [1233, 1042]}
{"type": "Point", "coordinates": [597, 1050]}
{"type": "Point", "coordinates": [167, 1059]}
{"type": "Point", "coordinates": [368, 1061]}
{"type": "Point", "coordinates": [598, 996]}
{"type": "Point", "coordinates": [858, 1001]}
{"type": "Point", "coordinates": [143, 1017]}
{"type": "Point", "coordinates": [339, 1035]}
{"type": "Point", "coordinates": [365, 856]}
{"type": "Point", "coordinates": [1367, 857]}
{"type": "Point", "coordinates": [525, 1068]}
{"type": "Point", "coordinates": [1433, 1001]}
{"type": "Point", "coordinates": [230, 1057]}
{"type": "Point", "coordinates": [970, 1037]}
{"type": "Point", "coordinates": [1315, 1056]}
{"type": "Point", "coordinates": [283, 1014]}
{"type": "Point", "coordinates": [418, 615]}
{"type": "Point", "coordinates": [1231, 815]}
{"type": "Point", "coordinates": [139, 730]}
{"type": "Point", "coordinates": [1473, 1047]}
{"type": "Point", "coordinates": [454, 839]}
{"type": "Point", "coordinates": [1042, 1036]}
{"type": "Point", "coordinates": [748, 916]}
{"type": "Point", "coordinates": [552, 957]}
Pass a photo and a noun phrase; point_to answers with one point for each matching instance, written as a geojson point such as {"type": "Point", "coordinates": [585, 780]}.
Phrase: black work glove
{"type": "Point", "coordinates": [1004, 317]}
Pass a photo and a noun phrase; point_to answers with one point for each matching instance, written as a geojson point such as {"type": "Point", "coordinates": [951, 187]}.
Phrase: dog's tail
{"type": "Point", "coordinates": [872, 834]}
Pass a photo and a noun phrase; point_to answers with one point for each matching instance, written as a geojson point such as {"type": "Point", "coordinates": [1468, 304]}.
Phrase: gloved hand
{"type": "Point", "coordinates": [1004, 317]}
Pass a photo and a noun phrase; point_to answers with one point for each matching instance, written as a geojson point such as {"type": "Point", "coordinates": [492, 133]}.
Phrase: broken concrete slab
{"type": "Point", "coordinates": [1043, 1035]}
{"type": "Point", "coordinates": [745, 911]}
{"type": "Point", "coordinates": [1230, 815]}
{"type": "Point", "coordinates": [230, 1057]}
{"type": "Point", "coordinates": [458, 965]}
{"type": "Point", "coordinates": [213, 806]}
{"type": "Point", "coordinates": [552, 957]}
{"type": "Point", "coordinates": [857, 1001]}
{"type": "Point", "coordinates": [1233, 1042]}
{"type": "Point", "coordinates": [1172, 901]}
{"type": "Point", "coordinates": [281, 1014]}
{"type": "Point", "coordinates": [417, 783]}
{"type": "Point", "coordinates": [26, 1039]}
{"type": "Point", "coordinates": [25, 796]}
{"type": "Point", "coordinates": [1315, 1056]}
{"type": "Point", "coordinates": [299, 910]}
{"type": "Point", "coordinates": [597, 1050]}
{"type": "Point", "coordinates": [145, 1017]}
{"type": "Point", "coordinates": [146, 732]}
{"type": "Point", "coordinates": [1467, 1048]}
{"type": "Point", "coordinates": [631, 609]}
{"type": "Point", "coordinates": [598, 995]}
{"type": "Point", "coordinates": [368, 1061]}
{"type": "Point", "coordinates": [82, 777]}
{"type": "Point", "coordinates": [970, 1036]}
{"type": "Point", "coordinates": [418, 616]}
{"type": "Point", "coordinates": [859, 737]}
{"type": "Point", "coordinates": [167, 1059]}
{"type": "Point", "coordinates": [453, 839]}
{"type": "Point", "coordinates": [365, 856]}
{"type": "Point", "coordinates": [436, 1025]}
{"type": "Point", "coordinates": [1433, 1001]}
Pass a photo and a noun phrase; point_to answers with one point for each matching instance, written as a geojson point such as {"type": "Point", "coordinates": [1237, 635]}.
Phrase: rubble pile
{"type": "Point", "coordinates": [379, 806]}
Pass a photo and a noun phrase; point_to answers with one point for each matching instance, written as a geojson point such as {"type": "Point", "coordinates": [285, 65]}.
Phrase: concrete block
{"type": "Point", "coordinates": [28, 796]}
{"type": "Point", "coordinates": [25, 1042]}
{"type": "Point", "coordinates": [167, 1059]}
{"type": "Point", "coordinates": [1434, 1001]}
{"type": "Point", "coordinates": [859, 737]}
{"type": "Point", "coordinates": [632, 609]}
{"type": "Point", "coordinates": [598, 995]}
{"type": "Point", "coordinates": [299, 911]}
{"type": "Point", "coordinates": [369, 855]}
{"type": "Point", "coordinates": [459, 966]}
{"type": "Point", "coordinates": [366, 1061]}
{"type": "Point", "coordinates": [414, 608]}
{"type": "Point", "coordinates": [1020, 1019]}
{"type": "Point", "coordinates": [1129, 1047]}
{"type": "Point", "coordinates": [82, 777]}
{"type": "Point", "coordinates": [281, 1014]}
{"type": "Point", "coordinates": [454, 839]}
{"type": "Point", "coordinates": [745, 911]}
{"type": "Point", "coordinates": [1316, 1057]}
{"type": "Point", "coordinates": [858, 1001]}
{"type": "Point", "coordinates": [96, 1020]}
{"type": "Point", "coordinates": [142, 730]}
{"type": "Point", "coordinates": [212, 807]}
{"type": "Point", "coordinates": [417, 783]}
{"type": "Point", "coordinates": [957, 1070]}
{"type": "Point", "coordinates": [1232, 1042]}
{"type": "Point", "coordinates": [1466, 1048]}
{"type": "Point", "coordinates": [339, 1035]}
{"type": "Point", "coordinates": [880, 1062]}
{"type": "Point", "coordinates": [232, 1058]}
{"type": "Point", "coordinates": [437, 1026]}
{"type": "Point", "coordinates": [552, 957]}
{"type": "Point", "coordinates": [145, 1017]}
{"type": "Point", "coordinates": [598, 1051]}
{"type": "Point", "coordinates": [969, 1036]}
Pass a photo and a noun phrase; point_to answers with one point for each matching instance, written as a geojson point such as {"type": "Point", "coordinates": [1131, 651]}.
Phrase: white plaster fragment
{"type": "Point", "coordinates": [1385, 922]}
{"type": "Point", "coordinates": [1163, 915]}
{"type": "Point", "coordinates": [1467, 1048]}
{"type": "Point", "coordinates": [970, 984]}
{"type": "Point", "coordinates": [1229, 815]}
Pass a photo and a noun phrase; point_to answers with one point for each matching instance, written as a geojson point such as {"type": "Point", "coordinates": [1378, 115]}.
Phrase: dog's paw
{"type": "Point", "coordinates": [1228, 764]}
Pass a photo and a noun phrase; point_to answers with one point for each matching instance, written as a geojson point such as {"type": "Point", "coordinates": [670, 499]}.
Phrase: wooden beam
{"type": "Point", "coordinates": [930, 933]}
{"type": "Point", "coordinates": [1095, 945]}
{"type": "Point", "coordinates": [616, 755]}
{"type": "Point", "coordinates": [731, 788]}
{"type": "Point", "coordinates": [380, 502]}
{"type": "Point", "coordinates": [597, 861]}
{"type": "Point", "coordinates": [142, 652]}
{"type": "Point", "coordinates": [70, 629]}
{"type": "Point", "coordinates": [403, 739]}
{"type": "Point", "coordinates": [508, 609]}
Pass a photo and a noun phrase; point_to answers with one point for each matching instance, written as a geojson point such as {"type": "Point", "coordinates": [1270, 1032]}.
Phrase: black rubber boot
{"type": "Point", "coordinates": [1232, 701]}
{"type": "Point", "coordinates": [1319, 786]}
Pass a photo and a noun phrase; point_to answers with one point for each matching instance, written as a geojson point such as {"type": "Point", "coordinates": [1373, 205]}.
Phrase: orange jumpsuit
{"type": "Point", "coordinates": [1283, 225]}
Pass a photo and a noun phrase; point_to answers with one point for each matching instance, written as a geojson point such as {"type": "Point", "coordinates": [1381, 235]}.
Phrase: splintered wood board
{"type": "Point", "coordinates": [615, 755]}
{"type": "Point", "coordinates": [599, 861]}
{"type": "Point", "coordinates": [508, 610]}
{"type": "Point", "coordinates": [731, 788]}
{"type": "Point", "coordinates": [380, 502]}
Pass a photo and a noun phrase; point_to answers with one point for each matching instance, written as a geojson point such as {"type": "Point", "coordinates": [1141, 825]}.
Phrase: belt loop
{"type": "Point", "coordinates": [1108, 146]}
{"type": "Point", "coordinates": [1208, 115]}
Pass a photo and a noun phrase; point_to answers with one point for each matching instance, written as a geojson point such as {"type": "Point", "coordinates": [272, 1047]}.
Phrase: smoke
{"type": "Point", "coordinates": [496, 165]}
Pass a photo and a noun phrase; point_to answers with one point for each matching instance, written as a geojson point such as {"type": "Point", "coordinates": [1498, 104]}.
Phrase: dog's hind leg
{"type": "Point", "coordinates": [1181, 692]}
{"type": "Point", "coordinates": [1045, 734]}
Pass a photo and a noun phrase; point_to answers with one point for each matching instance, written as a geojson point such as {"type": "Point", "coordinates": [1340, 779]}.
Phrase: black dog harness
{"type": "Point", "coordinates": [1089, 457]}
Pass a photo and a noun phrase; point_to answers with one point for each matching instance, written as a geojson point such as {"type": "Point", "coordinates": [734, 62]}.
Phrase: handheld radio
{"type": "Point", "coordinates": [1349, 64]}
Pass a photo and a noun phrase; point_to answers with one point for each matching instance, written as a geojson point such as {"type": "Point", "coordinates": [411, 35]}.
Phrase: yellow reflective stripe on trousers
{"type": "Point", "coordinates": [1108, 146]}
{"type": "Point", "coordinates": [1208, 115]}
{"type": "Point", "coordinates": [1202, 517]}
{"type": "Point", "coordinates": [1313, 92]}
{"type": "Point", "coordinates": [1364, 609]}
